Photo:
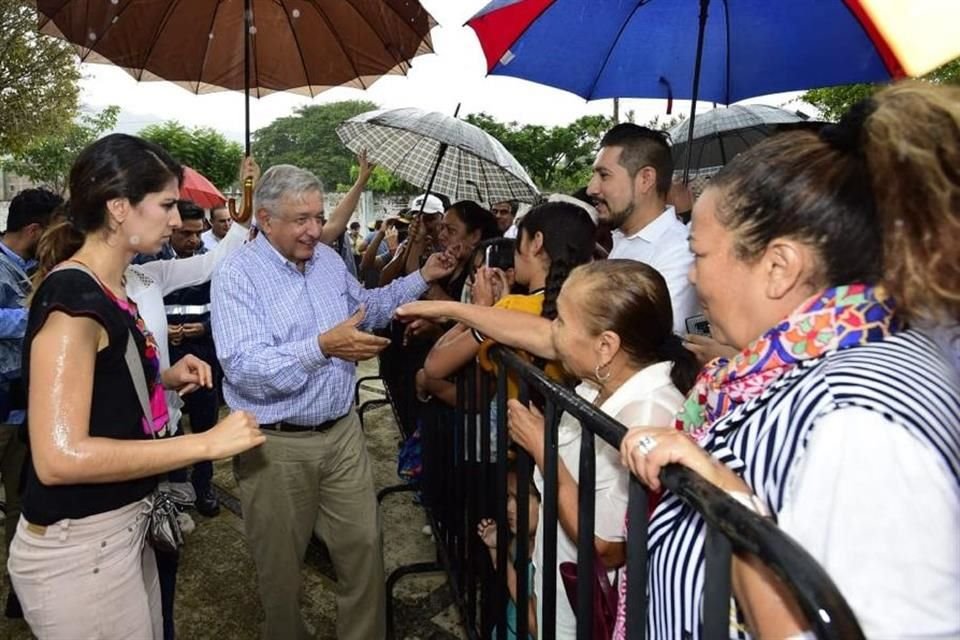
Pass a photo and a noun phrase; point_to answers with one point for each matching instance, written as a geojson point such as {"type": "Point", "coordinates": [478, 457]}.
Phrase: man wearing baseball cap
{"type": "Point", "coordinates": [425, 212]}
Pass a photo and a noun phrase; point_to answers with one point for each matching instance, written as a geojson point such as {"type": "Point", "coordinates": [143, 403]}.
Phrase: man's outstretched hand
{"type": "Point", "coordinates": [438, 265]}
{"type": "Point", "coordinates": [347, 342]}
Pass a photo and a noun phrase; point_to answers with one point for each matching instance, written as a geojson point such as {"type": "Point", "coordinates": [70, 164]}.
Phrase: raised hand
{"type": "Point", "coordinates": [187, 375]}
{"type": "Point", "coordinates": [392, 236]}
{"type": "Point", "coordinates": [488, 286]}
{"type": "Point", "coordinates": [234, 434]}
{"type": "Point", "coordinates": [415, 234]}
{"type": "Point", "coordinates": [366, 167]}
{"type": "Point", "coordinates": [249, 169]}
{"type": "Point", "coordinates": [348, 342]}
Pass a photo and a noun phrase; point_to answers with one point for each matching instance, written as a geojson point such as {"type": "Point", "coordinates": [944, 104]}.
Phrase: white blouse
{"type": "Point", "coordinates": [867, 488]}
{"type": "Point", "coordinates": [147, 284]}
{"type": "Point", "coordinates": [648, 398]}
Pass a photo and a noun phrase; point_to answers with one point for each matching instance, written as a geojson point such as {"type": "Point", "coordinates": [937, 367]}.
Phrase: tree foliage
{"type": "Point", "coordinates": [381, 181]}
{"type": "Point", "coordinates": [47, 160]}
{"type": "Point", "coordinates": [557, 158]}
{"type": "Point", "coordinates": [201, 148]}
{"type": "Point", "coordinates": [308, 139]}
{"type": "Point", "coordinates": [833, 102]}
{"type": "Point", "coordinates": [38, 79]}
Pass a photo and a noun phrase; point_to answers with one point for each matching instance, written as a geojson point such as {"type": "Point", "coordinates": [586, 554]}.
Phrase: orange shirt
{"type": "Point", "coordinates": [530, 303]}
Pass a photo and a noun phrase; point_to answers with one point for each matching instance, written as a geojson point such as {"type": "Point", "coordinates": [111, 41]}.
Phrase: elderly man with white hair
{"type": "Point", "coordinates": [290, 324]}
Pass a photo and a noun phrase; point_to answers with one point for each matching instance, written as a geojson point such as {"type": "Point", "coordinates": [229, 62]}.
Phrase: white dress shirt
{"type": "Point", "coordinates": [147, 284]}
{"type": "Point", "coordinates": [209, 240]}
{"type": "Point", "coordinates": [662, 244]}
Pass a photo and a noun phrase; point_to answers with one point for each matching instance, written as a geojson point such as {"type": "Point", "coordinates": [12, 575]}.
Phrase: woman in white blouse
{"type": "Point", "coordinates": [613, 331]}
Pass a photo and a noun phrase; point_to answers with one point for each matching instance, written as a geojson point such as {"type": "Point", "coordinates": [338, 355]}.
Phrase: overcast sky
{"type": "Point", "coordinates": [438, 82]}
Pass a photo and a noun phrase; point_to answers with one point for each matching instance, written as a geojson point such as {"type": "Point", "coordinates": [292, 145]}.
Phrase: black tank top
{"type": "Point", "coordinates": [115, 410]}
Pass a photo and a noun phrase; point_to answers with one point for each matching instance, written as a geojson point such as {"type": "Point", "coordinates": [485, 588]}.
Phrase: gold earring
{"type": "Point", "coordinates": [601, 378]}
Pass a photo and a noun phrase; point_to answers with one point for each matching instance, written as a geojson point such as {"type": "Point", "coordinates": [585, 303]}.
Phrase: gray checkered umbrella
{"type": "Point", "coordinates": [721, 134]}
{"type": "Point", "coordinates": [408, 142]}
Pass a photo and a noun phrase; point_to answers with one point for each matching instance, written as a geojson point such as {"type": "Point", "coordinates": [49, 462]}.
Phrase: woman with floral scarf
{"type": "Point", "coordinates": [838, 418]}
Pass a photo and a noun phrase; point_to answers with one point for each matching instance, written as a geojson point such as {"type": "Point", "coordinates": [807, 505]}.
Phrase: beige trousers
{"type": "Point", "coordinates": [302, 483]}
{"type": "Point", "coordinates": [89, 579]}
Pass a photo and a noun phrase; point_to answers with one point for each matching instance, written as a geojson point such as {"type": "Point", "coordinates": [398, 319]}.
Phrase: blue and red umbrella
{"type": "Point", "coordinates": [648, 48]}
{"type": "Point", "coordinates": [722, 51]}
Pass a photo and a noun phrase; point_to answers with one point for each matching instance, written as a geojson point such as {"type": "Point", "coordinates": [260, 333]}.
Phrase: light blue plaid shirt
{"type": "Point", "coordinates": [266, 317]}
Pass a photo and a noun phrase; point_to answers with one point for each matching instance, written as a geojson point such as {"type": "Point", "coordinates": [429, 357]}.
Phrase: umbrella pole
{"type": "Point", "coordinates": [704, 5]}
{"type": "Point", "coordinates": [436, 167]}
{"type": "Point", "coordinates": [247, 212]}
{"type": "Point", "coordinates": [247, 23]}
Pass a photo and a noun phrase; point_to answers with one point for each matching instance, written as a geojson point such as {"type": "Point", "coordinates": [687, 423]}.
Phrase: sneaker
{"type": "Point", "coordinates": [207, 504]}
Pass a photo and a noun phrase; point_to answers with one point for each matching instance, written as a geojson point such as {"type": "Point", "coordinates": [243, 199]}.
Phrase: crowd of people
{"type": "Point", "coordinates": [796, 344]}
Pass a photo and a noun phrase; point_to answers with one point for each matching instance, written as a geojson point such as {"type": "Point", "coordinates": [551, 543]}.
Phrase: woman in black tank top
{"type": "Point", "coordinates": [78, 560]}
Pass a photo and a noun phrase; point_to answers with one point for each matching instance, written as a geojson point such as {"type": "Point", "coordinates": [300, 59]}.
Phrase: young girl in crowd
{"type": "Point", "coordinates": [79, 561]}
{"type": "Point", "coordinates": [487, 530]}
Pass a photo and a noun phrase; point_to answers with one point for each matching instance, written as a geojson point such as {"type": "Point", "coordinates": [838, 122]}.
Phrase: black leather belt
{"type": "Point", "coordinates": [299, 428]}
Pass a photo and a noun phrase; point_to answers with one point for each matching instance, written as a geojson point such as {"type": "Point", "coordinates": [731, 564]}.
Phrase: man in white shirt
{"type": "Point", "coordinates": [630, 182]}
{"type": "Point", "coordinates": [220, 222]}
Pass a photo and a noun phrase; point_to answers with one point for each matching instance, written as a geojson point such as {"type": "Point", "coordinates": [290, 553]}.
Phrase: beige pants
{"type": "Point", "coordinates": [302, 483]}
{"type": "Point", "coordinates": [89, 579]}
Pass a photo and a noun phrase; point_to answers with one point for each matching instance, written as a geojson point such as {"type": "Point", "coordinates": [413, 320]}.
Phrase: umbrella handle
{"type": "Point", "coordinates": [243, 216]}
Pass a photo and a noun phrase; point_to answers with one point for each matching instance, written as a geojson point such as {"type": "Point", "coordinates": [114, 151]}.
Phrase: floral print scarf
{"type": "Point", "coordinates": [835, 319]}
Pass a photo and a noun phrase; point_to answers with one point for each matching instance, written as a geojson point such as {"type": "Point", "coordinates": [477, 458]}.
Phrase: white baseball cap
{"type": "Point", "coordinates": [589, 208]}
{"type": "Point", "coordinates": [431, 204]}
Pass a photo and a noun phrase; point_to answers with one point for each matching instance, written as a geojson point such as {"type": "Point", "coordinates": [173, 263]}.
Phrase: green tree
{"type": "Point", "coordinates": [47, 160]}
{"type": "Point", "coordinates": [381, 181]}
{"type": "Point", "coordinates": [201, 148]}
{"type": "Point", "coordinates": [557, 158]}
{"type": "Point", "coordinates": [833, 102]}
{"type": "Point", "coordinates": [38, 79]}
{"type": "Point", "coordinates": [308, 139]}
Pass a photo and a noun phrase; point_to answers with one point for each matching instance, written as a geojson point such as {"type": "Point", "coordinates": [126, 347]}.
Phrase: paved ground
{"type": "Point", "coordinates": [216, 591]}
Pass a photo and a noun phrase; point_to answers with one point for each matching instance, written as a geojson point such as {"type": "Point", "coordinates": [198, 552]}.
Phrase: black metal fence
{"type": "Point", "coordinates": [465, 461]}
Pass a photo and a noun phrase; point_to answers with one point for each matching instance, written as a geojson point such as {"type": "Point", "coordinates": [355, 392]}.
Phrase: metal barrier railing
{"type": "Point", "coordinates": [465, 479]}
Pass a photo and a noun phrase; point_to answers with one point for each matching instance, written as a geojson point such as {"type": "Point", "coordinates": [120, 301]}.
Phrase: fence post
{"type": "Point", "coordinates": [637, 508]}
{"type": "Point", "coordinates": [522, 542]}
{"type": "Point", "coordinates": [586, 552]}
{"type": "Point", "coordinates": [503, 542]}
{"type": "Point", "coordinates": [548, 599]}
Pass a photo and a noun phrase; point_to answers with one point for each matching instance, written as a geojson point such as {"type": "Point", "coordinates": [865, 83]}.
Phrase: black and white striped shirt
{"type": "Point", "coordinates": [904, 379]}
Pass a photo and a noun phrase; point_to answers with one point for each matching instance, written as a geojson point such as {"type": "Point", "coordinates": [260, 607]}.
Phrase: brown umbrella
{"type": "Point", "coordinates": [304, 46]}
